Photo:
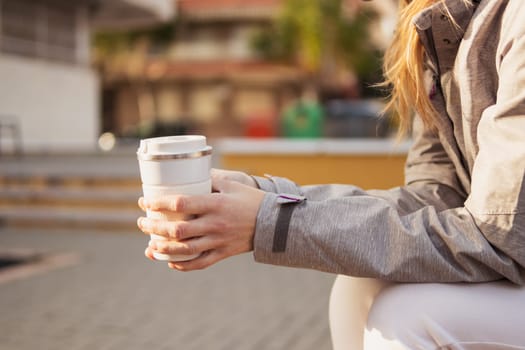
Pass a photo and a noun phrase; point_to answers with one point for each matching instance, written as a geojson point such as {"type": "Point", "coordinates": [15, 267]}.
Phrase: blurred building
{"type": "Point", "coordinates": [209, 79]}
{"type": "Point", "coordinates": [47, 86]}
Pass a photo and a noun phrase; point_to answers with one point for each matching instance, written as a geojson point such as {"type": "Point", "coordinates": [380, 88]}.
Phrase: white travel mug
{"type": "Point", "coordinates": [174, 165]}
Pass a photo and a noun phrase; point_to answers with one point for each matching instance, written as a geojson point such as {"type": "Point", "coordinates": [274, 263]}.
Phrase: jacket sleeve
{"type": "Point", "coordinates": [428, 230]}
{"type": "Point", "coordinates": [429, 173]}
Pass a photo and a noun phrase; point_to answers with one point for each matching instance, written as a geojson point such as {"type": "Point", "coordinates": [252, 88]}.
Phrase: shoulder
{"type": "Point", "coordinates": [498, 24]}
{"type": "Point", "coordinates": [512, 22]}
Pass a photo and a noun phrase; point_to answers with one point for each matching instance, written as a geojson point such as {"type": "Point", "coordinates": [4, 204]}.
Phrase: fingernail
{"type": "Point", "coordinates": [149, 256]}
{"type": "Point", "coordinates": [139, 222]}
{"type": "Point", "coordinates": [174, 266]}
{"type": "Point", "coordinates": [145, 202]}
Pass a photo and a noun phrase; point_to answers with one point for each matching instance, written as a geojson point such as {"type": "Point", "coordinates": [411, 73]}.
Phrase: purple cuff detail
{"type": "Point", "coordinates": [285, 198]}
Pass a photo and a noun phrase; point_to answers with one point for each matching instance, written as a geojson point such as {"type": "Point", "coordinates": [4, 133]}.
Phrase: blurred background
{"type": "Point", "coordinates": [72, 71]}
{"type": "Point", "coordinates": [286, 87]}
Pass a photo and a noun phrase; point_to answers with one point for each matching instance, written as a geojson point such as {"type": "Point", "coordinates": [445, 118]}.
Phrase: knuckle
{"type": "Point", "coordinates": [172, 231]}
{"type": "Point", "coordinates": [190, 248]}
{"type": "Point", "coordinates": [179, 204]}
{"type": "Point", "coordinates": [179, 231]}
{"type": "Point", "coordinates": [162, 247]}
{"type": "Point", "coordinates": [220, 201]}
{"type": "Point", "coordinates": [222, 226]}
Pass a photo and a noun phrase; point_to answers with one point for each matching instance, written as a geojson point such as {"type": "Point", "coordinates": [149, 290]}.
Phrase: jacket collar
{"type": "Point", "coordinates": [457, 12]}
{"type": "Point", "coordinates": [441, 28]}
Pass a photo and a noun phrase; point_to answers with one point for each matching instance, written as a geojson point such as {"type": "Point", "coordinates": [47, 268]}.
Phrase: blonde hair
{"type": "Point", "coordinates": [404, 69]}
{"type": "Point", "coordinates": [404, 66]}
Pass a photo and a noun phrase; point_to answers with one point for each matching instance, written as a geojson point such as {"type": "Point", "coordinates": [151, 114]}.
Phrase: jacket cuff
{"type": "Point", "coordinates": [276, 184]}
{"type": "Point", "coordinates": [272, 226]}
{"type": "Point", "coordinates": [265, 184]}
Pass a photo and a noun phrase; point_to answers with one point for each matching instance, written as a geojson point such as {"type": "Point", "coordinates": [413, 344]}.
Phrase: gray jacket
{"type": "Point", "coordinates": [461, 214]}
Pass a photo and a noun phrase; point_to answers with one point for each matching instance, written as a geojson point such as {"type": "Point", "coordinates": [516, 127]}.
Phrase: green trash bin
{"type": "Point", "coordinates": [303, 120]}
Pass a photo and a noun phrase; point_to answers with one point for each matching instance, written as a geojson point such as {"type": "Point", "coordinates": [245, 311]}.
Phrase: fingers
{"type": "Point", "coordinates": [149, 253]}
{"type": "Point", "coordinates": [196, 204]}
{"type": "Point", "coordinates": [219, 184]}
{"type": "Point", "coordinates": [141, 204]}
{"type": "Point", "coordinates": [205, 260]}
{"type": "Point", "coordinates": [175, 230]}
{"type": "Point", "coordinates": [219, 174]}
{"type": "Point", "coordinates": [195, 246]}
{"type": "Point", "coordinates": [212, 226]}
{"type": "Point", "coordinates": [234, 176]}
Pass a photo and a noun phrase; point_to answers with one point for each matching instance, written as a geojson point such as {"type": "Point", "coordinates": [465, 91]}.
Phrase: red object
{"type": "Point", "coordinates": [260, 125]}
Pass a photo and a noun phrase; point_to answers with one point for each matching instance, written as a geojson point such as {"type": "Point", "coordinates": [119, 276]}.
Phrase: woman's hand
{"type": "Point", "coordinates": [230, 175]}
{"type": "Point", "coordinates": [222, 224]}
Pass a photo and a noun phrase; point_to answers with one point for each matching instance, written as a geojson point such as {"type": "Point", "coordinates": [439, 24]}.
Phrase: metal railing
{"type": "Point", "coordinates": [10, 126]}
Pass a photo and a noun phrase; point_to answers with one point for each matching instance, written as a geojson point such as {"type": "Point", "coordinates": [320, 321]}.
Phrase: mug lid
{"type": "Point", "coordinates": [173, 147]}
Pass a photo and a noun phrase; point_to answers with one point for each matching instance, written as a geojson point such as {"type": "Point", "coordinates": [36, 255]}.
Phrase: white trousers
{"type": "Point", "coordinates": [373, 315]}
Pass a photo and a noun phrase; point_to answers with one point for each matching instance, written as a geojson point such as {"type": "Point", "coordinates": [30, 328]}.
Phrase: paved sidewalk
{"type": "Point", "coordinates": [113, 298]}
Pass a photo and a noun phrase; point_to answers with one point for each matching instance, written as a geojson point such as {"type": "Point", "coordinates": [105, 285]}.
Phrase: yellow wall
{"type": "Point", "coordinates": [374, 171]}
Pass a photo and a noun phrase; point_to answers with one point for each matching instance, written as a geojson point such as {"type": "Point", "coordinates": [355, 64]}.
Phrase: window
{"type": "Point", "coordinates": [45, 29]}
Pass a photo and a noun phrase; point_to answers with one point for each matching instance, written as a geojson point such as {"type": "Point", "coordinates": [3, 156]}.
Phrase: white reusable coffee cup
{"type": "Point", "coordinates": [174, 165]}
